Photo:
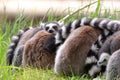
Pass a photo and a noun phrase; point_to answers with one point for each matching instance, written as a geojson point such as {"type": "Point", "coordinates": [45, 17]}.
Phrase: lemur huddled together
{"type": "Point", "coordinates": [83, 46]}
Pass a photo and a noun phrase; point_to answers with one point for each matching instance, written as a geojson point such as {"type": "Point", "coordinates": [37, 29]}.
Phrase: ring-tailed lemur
{"type": "Point", "coordinates": [18, 52]}
{"type": "Point", "coordinates": [12, 46]}
{"type": "Point", "coordinates": [34, 55]}
{"type": "Point", "coordinates": [71, 55]}
{"type": "Point", "coordinates": [108, 27]}
{"type": "Point", "coordinates": [113, 67]}
{"type": "Point", "coordinates": [91, 67]}
{"type": "Point", "coordinates": [51, 27]}
{"type": "Point", "coordinates": [110, 45]}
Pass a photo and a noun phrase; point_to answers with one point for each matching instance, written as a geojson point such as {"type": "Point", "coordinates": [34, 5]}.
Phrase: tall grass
{"type": "Point", "coordinates": [8, 29]}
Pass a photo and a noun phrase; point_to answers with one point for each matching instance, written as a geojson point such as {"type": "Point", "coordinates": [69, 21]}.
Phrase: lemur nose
{"type": "Point", "coordinates": [51, 31]}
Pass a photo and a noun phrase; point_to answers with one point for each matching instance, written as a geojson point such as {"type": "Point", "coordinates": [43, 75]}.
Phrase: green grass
{"type": "Point", "coordinates": [8, 29]}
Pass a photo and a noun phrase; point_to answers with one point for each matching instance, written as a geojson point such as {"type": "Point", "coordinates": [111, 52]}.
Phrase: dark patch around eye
{"type": "Point", "coordinates": [55, 27]}
{"type": "Point", "coordinates": [46, 28]}
{"type": "Point", "coordinates": [104, 60]}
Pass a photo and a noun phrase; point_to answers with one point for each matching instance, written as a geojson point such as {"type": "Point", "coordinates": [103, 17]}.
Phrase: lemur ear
{"type": "Point", "coordinates": [42, 25]}
{"type": "Point", "coordinates": [61, 23]}
{"type": "Point", "coordinates": [20, 31]}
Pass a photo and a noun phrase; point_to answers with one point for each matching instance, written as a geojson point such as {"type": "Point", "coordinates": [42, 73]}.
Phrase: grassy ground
{"type": "Point", "coordinates": [7, 29]}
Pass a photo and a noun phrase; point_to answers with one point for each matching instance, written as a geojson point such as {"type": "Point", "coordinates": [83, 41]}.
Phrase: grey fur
{"type": "Point", "coordinates": [107, 26]}
{"type": "Point", "coordinates": [12, 46]}
{"type": "Point", "coordinates": [71, 55]}
{"type": "Point", "coordinates": [17, 59]}
{"type": "Point", "coordinates": [110, 45]}
{"type": "Point", "coordinates": [15, 40]}
{"type": "Point", "coordinates": [95, 22]}
{"type": "Point", "coordinates": [113, 67]}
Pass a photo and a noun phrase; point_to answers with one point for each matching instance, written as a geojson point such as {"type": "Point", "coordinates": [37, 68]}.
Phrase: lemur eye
{"type": "Point", "coordinates": [104, 60]}
{"type": "Point", "coordinates": [46, 28]}
{"type": "Point", "coordinates": [55, 27]}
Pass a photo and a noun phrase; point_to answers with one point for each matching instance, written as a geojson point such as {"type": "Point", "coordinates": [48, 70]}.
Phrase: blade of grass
{"type": "Point", "coordinates": [67, 16]}
{"type": "Point", "coordinates": [97, 10]}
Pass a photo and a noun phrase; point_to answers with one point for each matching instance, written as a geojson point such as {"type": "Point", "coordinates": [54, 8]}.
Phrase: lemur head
{"type": "Point", "coordinates": [103, 60]}
{"type": "Point", "coordinates": [51, 27]}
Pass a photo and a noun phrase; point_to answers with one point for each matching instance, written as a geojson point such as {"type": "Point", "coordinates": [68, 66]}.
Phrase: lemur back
{"type": "Point", "coordinates": [71, 55]}
{"type": "Point", "coordinates": [35, 55]}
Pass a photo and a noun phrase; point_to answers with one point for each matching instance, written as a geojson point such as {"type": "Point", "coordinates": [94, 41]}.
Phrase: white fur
{"type": "Point", "coordinates": [58, 58]}
{"type": "Point", "coordinates": [93, 22]}
{"type": "Point", "coordinates": [57, 39]}
{"type": "Point", "coordinates": [83, 20]}
{"type": "Point", "coordinates": [94, 48]}
{"type": "Point", "coordinates": [9, 50]}
{"type": "Point", "coordinates": [12, 44]}
{"type": "Point", "coordinates": [73, 25]}
{"type": "Point", "coordinates": [112, 22]}
{"type": "Point", "coordinates": [103, 56]}
{"type": "Point", "coordinates": [51, 25]}
{"type": "Point", "coordinates": [99, 40]}
{"type": "Point", "coordinates": [14, 38]}
{"type": "Point", "coordinates": [115, 27]}
{"type": "Point", "coordinates": [64, 32]}
{"type": "Point", "coordinates": [42, 25]}
{"type": "Point", "coordinates": [113, 66]}
{"type": "Point", "coordinates": [106, 32]}
{"type": "Point", "coordinates": [102, 23]}
{"type": "Point", "coordinates": [97, 78]}
{"type": "Point", "coordinates": [21, 31]}
{"type": "Point", "coordinates": [90, 60]}
{"type": "Point", "coordinates": [94, 70]}
{"type": "Point", "coordinates": [30, 27]}
{"type": "Point", "coordinates": [61, 23]}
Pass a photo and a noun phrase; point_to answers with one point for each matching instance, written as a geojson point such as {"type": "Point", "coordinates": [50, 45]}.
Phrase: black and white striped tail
{"type": "Point", "coordinates": [91, 66]}
{"type": "Point", "coordinates": [14, 41]}
{"type": "Point", "coordinates": [108, 26]}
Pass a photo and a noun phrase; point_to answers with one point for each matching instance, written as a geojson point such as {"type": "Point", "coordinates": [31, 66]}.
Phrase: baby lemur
{"type": "Point", "coordinates": [113, 66]}
{"type": "Point", "coordinates": [109, 47]}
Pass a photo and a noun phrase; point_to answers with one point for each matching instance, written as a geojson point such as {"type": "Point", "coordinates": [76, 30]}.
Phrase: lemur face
{"type": "Point", "coordinates": [51, 27]}
{"type": "Point", "coordinates": [103, 60]}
